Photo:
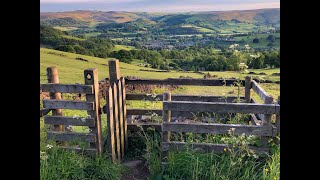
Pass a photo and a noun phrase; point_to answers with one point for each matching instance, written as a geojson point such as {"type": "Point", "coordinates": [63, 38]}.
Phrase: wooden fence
{"type": "Point", "coordinates": [173, 106]}
{"type": "Point", "coordinates": [56, 104]}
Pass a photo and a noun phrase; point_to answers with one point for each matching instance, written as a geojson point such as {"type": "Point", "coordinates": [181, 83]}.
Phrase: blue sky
{"type": "Point", "coordinates": [155, 5]}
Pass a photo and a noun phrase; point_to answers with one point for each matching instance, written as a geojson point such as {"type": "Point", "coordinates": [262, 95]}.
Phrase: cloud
{"type": "Point", "coordinates": [87, 1]}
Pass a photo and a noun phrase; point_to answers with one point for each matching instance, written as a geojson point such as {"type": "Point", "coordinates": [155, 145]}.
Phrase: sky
{"type": "Point", "coordinates": [155, 5]}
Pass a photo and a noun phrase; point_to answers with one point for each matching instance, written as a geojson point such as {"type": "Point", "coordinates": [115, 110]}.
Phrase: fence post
{"type": "Point", "coordinates": [248, 85]}
{"type": "Point", "coordinates": [123, 90]}
{"type": "Point", "coordinates": [91, 78]}
{"type": "Point", "coordinates": [110, 120]}
{"type": "Point", "coordinates": [266, 120]}
{"type": "Point", "coordinates": [277, 141]}
{"type": "Point", "coordinates": [53, 77]}
{"type": "Point", "coordinates": [166, 116]}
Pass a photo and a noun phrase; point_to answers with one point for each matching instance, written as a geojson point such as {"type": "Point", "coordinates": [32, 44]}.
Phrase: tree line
{"type": "Point", "coordinates": [62, 41]}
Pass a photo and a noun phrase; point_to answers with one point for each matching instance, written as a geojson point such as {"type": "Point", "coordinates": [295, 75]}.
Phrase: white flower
{"type": "Point", "coordinates": [75, 116]}
{"type": "Point", "coordinates": [49, 146]}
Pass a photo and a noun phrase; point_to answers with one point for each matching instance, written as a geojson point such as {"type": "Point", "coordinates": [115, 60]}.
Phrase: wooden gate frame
{"type": "Point", "coordinates": [91, 89]}
{"type": "Point", "coordinates": [117, 140]}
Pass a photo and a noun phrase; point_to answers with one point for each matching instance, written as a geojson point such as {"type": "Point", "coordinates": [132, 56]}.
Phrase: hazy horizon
{"type": "Point", "coordinates": [160, 6]}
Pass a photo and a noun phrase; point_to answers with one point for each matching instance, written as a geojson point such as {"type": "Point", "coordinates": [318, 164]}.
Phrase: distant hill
{"type": "Point", "coordinates": [259, 16]}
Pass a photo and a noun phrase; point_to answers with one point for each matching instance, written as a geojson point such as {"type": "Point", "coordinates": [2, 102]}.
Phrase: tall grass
{"type": "Point", "coordinates": [235, 163]}
{"type": "Point", "coordinates": [56, 163]}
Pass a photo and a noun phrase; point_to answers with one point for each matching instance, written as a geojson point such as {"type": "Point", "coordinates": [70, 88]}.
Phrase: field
{"type": "Point", "coordinates": [57, 164]}
{"type": "Point", "coordinates": [122, 47]}
{"type": "Point", "coordinates": [263, 42]}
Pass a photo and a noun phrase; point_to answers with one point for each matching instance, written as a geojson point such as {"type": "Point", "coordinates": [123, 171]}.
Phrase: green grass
{"type": "Point", "coordinates": [181, 165]}
{"type": "Point", "coordinates": [122, 47]}
{"type": "Point", "coordinates": [71, 71]}
{"type": "Point", "coordinates": [72, 37]}
{"type": "Point", "coordinates": [65, 28]}
{"type": "Point", "coordinates": [200, 29]}
{"type": "Point", "coordinates": [263, 42]}
{"type": "Point", "coordinates": [92, 34]}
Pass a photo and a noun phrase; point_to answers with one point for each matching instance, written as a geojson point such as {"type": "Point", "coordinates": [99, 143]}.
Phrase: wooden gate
{"type": "Point", "coordinates": [91, 105]}
{"type": "Point", "coordinates": [117, 140]}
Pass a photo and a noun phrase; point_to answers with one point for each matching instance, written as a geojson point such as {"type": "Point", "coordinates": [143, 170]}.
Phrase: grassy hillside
{"type": "Point", "coordinates": [71, 71]}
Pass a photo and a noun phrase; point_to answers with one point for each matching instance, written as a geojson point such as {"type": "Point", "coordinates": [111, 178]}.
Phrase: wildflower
{"type": "Point", "coordinates": [43, 156]}
{"type": "Point", "coordinates": [267, 170]}
{"type": "Point", "coordinates": [225, 149]}
{"type": "Point", "coordinates": [49, 146]}
{"type": "Point", "coordinates": [274, 178]}
{"type": "Point", "coordinates": [75, 116]}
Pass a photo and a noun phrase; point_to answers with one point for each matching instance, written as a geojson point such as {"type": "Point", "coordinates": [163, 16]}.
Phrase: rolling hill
{"type": "Point", "coordinates": [259, 16]}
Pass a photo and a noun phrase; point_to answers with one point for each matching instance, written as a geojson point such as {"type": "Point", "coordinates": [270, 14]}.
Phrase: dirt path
{"type": "Point", "coordinates": [136, 170]}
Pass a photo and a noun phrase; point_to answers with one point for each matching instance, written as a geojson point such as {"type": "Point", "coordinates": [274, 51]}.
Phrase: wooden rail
{"type": "Point", "coordinates": [212, 128]}
{"type": "Point", "coordinates": [65, 104]}
{"type": "Point", "coordinates": [221, 107]}
{"type": "Point", "coordinates": [177, 97]}
{"type": "Point", "coordinates": [204, 147]}
{"type": "Point", "coordinates": [258, 89]}
{"type": "Point", "coordinates": [190, 82]}
{"type": "Point", "coordinates": [64, 120]}
{"type": "Point", "coordinates": [67, 88]}
{"type": "Point", "coordinates": [68, 136]}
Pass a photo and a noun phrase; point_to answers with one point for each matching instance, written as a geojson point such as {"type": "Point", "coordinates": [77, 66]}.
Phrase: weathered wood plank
{"type": "Point", "coordinates": [64, 104]}
{"type": "Point", "coordinates": [87, 151]}
{"type": "Point", "coordinates": [186, 114]}
{"type": "Point", "coordinates": [191, 82]}
{"type": "Point", "coordinates": [44, 112]}
{"type": "Point", "coordinates": [212, 128]}
{"type": "Point", "coordinates": [65, 120]}
{"type": "Point", "coordinates": [114, 70]}
{"type": "Point", "coordinates": [177, 97]}
{"type": "Point", "coordinates": [205, 147]}
{"type": "Point", "coordinates": [124, 109]}
{"type": "Point", "coordinates": [53, 77]}
{"type": "Point", "coordinates": [116, 120]}
{"type": "Point", "coordinates": [254, 120]}
{"type": "Point", "coordinates": [258, 89]}
{"type": "Point", "coordinates": [219, 107]}
{"type": "Point", "coordinates": [137, 127]}
{"type": "Point", "coordinates": [166, 116]}
{"type": "Point", "coordinates": [67, 88]}
{"type": "Point", "coordinates": [68, 136]}
{"type": "Point", "coordinates": [121, 123]}
{"type": "Point", "coordinates": [132, 111]}
{"type": "Point", "coordinates": [91, 78]}
{"type": "Point", "coordinates": [111, 124]}
{"type": "Point", "coordinates": [248, 86]}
